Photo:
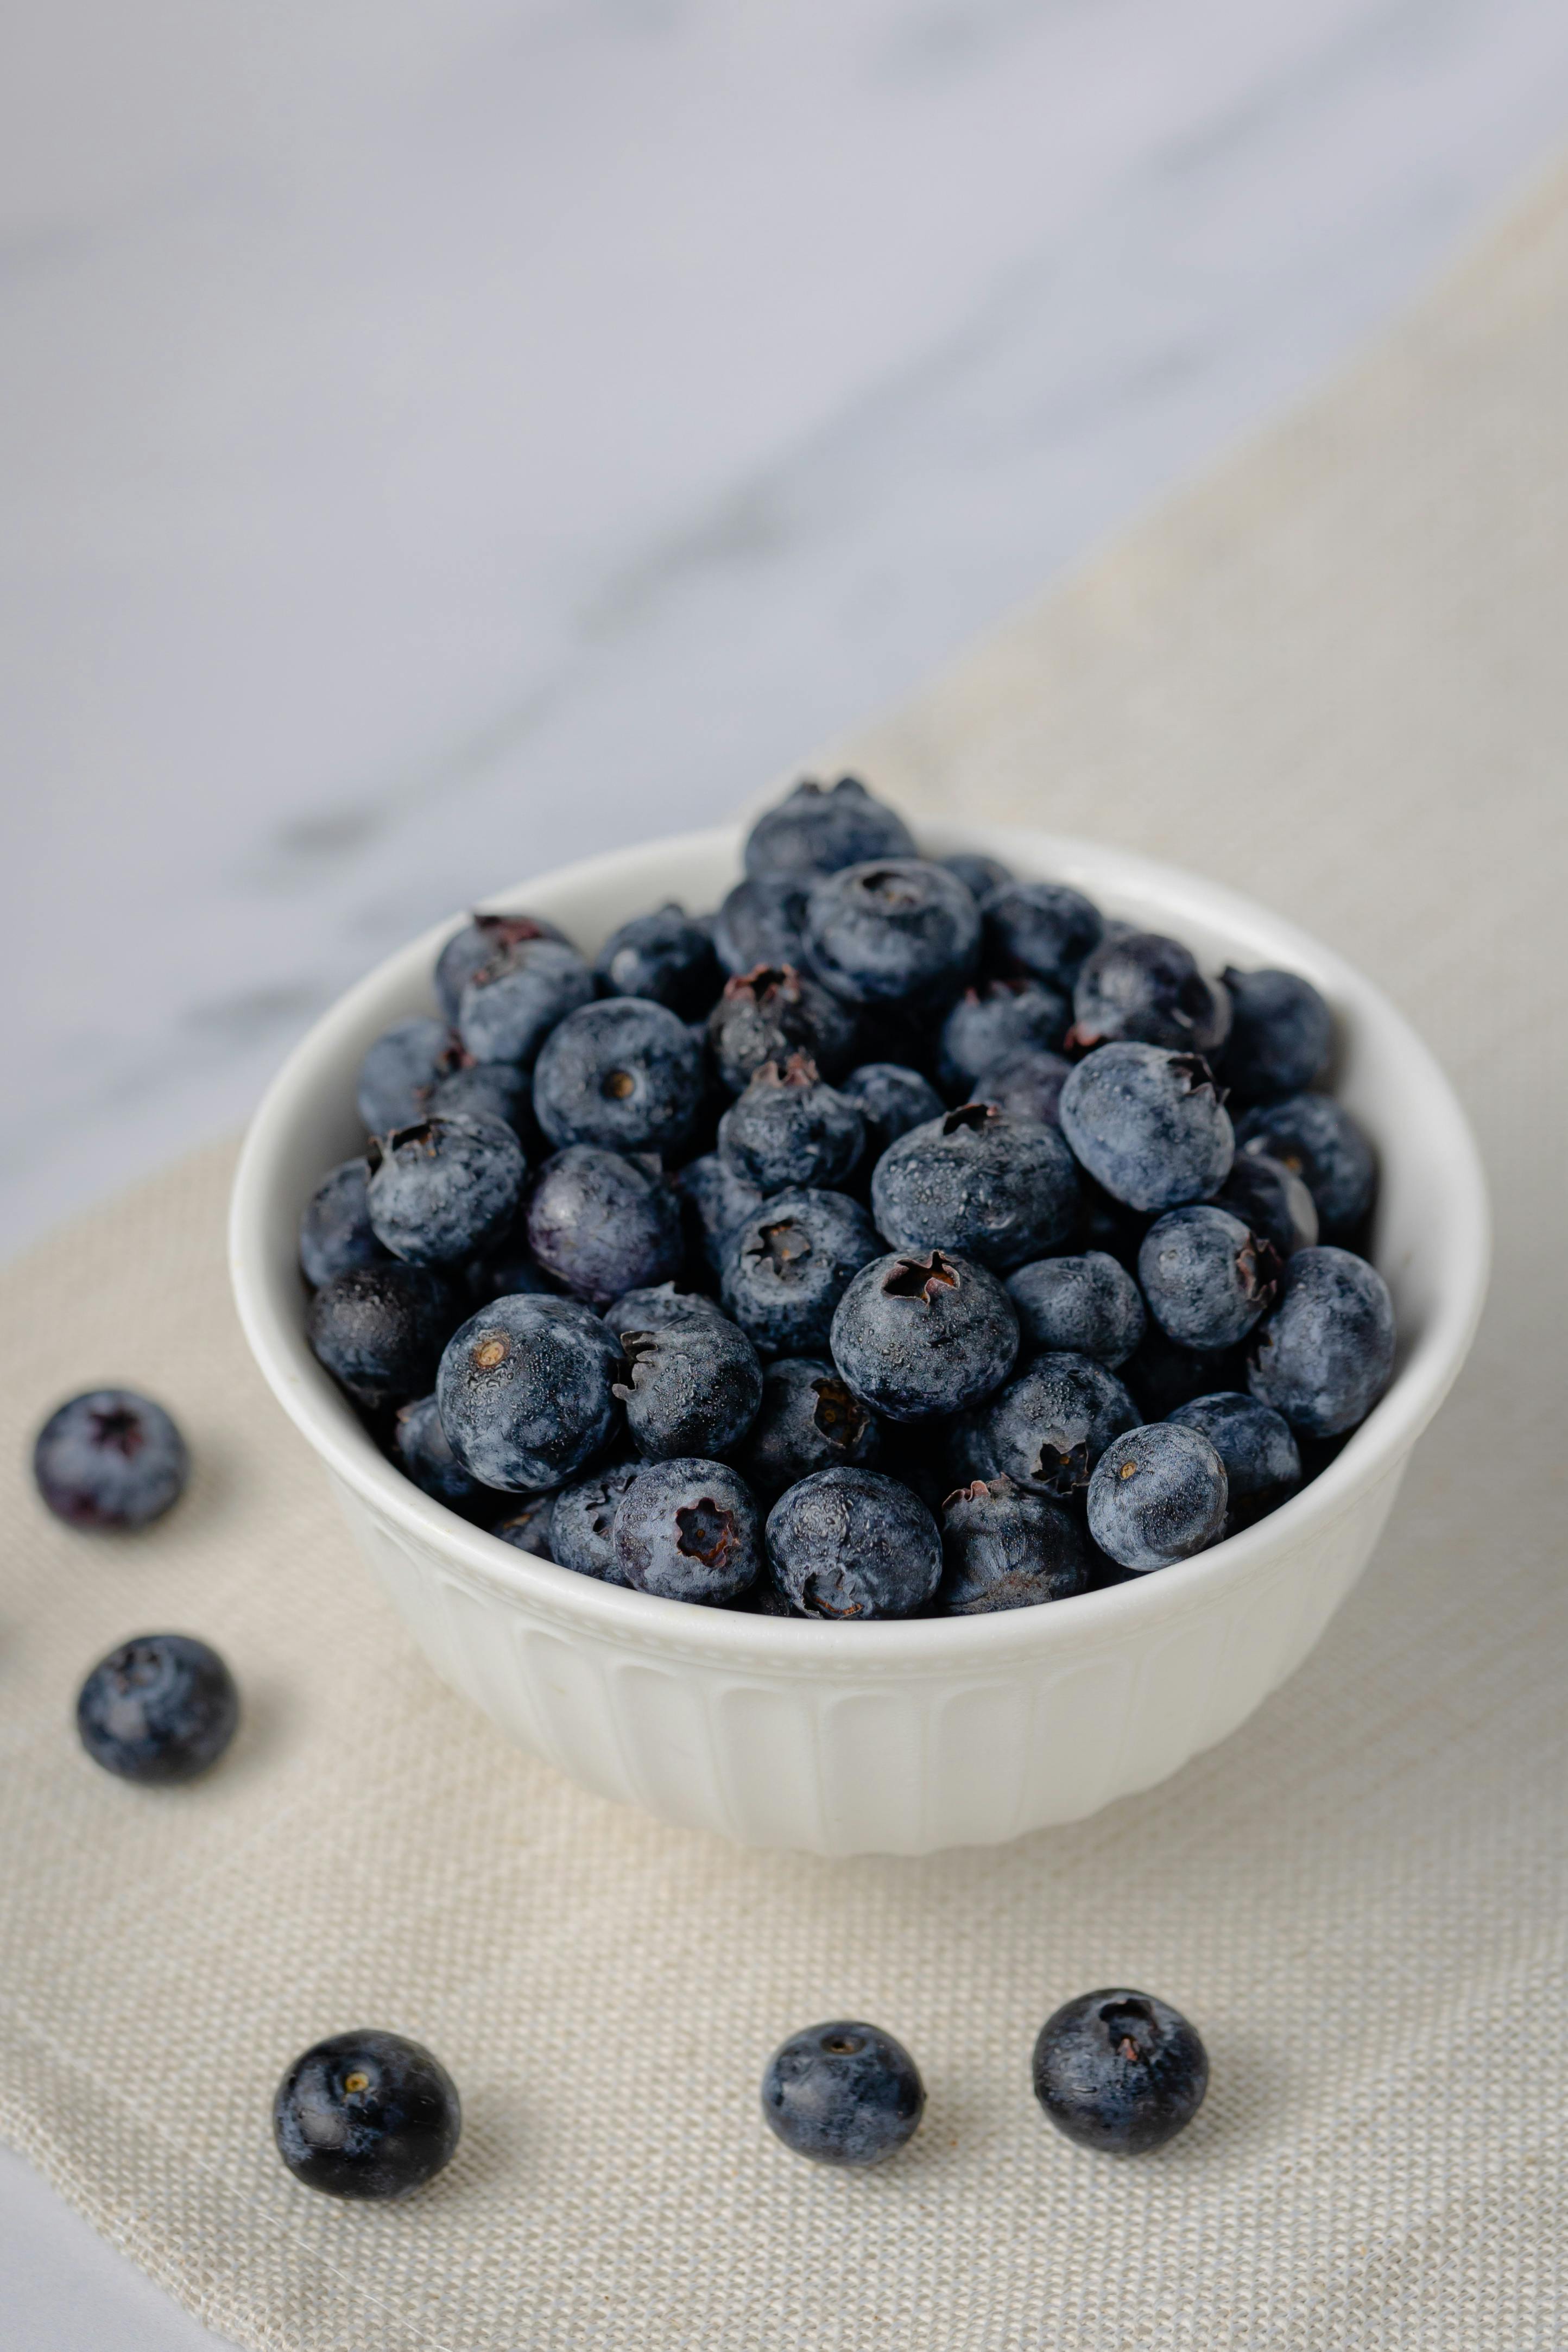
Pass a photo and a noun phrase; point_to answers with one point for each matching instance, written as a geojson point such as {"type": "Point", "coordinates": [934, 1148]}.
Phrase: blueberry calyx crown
{"type": "Point", "coordinates": [707, 1532]}
{"type": "Point", "coordinates": [921, 1277]}
{"type": "Point", "coordinates": [783, 1246]}
{"type": "Point", "coordinates": [118, 1427]}
{"type": "Point", "coordinates": [838, 1414]}
{"type": "Point", "coordinates": [799, 1070]}
{"type": "Point", "coordinates": [969, 1118]}
{"type": "Point", "coordinates": [763, 983]}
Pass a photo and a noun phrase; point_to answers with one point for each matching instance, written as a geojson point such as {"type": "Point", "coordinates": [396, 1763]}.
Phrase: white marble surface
{"type": "Point", "coordinates": [439, 440]}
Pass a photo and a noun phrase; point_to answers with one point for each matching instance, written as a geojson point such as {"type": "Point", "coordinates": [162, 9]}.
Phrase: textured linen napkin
{"type": "Point", "coordinates": [1334, 676]}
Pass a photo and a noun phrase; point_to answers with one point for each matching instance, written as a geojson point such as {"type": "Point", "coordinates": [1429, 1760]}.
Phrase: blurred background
{"type": "Point", "coordinates": [440, 441]}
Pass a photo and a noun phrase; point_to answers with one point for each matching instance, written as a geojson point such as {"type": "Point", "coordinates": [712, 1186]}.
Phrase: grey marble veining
{"type": "Point", "coordinates": [442, 442]}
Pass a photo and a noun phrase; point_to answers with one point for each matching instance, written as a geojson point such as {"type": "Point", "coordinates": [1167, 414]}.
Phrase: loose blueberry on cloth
{"type": "Point", "coordinates": [1119, 2071]}
{"type": "Point", "coordinates": [844, 2093]}
{"type": "Point", "coordinates": [366, 2114]}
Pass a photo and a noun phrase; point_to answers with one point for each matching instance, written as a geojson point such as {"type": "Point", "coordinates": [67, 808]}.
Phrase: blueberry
{"type": "Point", "coordinates": [585, 1520]}
{"type": "Point", "coordinates": [843, 2092]}
{"type": "Point", "coordinates": [1149, 1125]}
{"type": "Point", "coordinates": [1005, 1549]}
{"type": "Point", "coordinates": [1206, 1278]}
{"type": "Point", "coordinates": [657, 1308]}
{"type": "Point", "coordinates": [980, 1183]}
{"type": "Point", "coordinates": [1158, 1493]}
{"type": "Point", "coordinates": [507, 1269]}
{"type": "Point", "coordinates": [1262, 1460]}
{"type": "Point", "coordinates": [1086, 1306]}
{"type": "Point", "coordinates": [891, 1099]}
{"type": "Point", "coordinates": [366, 2114]}
{"type": "Point", "coordinates": [1119, 2071]}
{"type": "Point", "coordinates": [1147, 989]}
{"type": "Point", "coordinates": [380, 1329]}
{"type": "Point", "coordinates": [689, 1530]}
{"type": "Point", "coordinates": [894, 931]}
{"type": "Point", "coordinates": [851, 1543]}
{"type": "Point", "coordinates": [513, 1001]}
{"type": "Point", "coordinates": [814, 831]}
{"type": "Point", "coordinates": [980, 875]}
{"type": "Point", "coordinates": [1027, 1085]}
{"type": "Point", "coordinates": [808, 1420]}
{"type": "Point", "coordinates": [602, 1224]}
{"type": "Point", "coordinates": [1317, 1140]}
{"type": "Point", "coordinates": [109, 1459]}
{"type": "Point", "coordinates": [1049, 1426]}
{"type": "Point", "coordinates": [481, 939]}
{"type": "Point", "coordinates": [993, 1021]}
{"type": "Point", "coordinates": [1326, 1353]}
{"type": "Point", "coordinates": [481, 1090]}
{"type": "Point", "coordinates": [1272, 1199]}
{"type": "Point", "coordinates": [761, 923]}
{"type": "Point", "coordinates": [1162, 1376]}
{"type": "Point", "coordinates": [398, 1072]}
{"type": "Point", "coordinates": [691, 1388]}
{"type": "Point", "coordinates": [714, 1202]}
{"type": "Point", "coordinates": [1043, 929]}
{"type": "Point", "coordinates": [924, 1334]}
{"type": "Point", "coordinates": [1282, 1035]}
{"type": "Point", "coordinates": [335, 1231]}
{"type": "Point", "coordinates": [788, 1266]}
{"type": "Point", "coordinates": [666, 956]}
{"type": "Point", "coordinates": [528, 1525]}
{"type": "Point", "coordinates": [158, 1709]}
{"type": "Point", "coordinates": [525, 1391]}
{"type": "Point", "coordinates": [625, 1075]}
{"type": "Point", "coordinates": [445, 1191]}
{"type": "Point", "coordinates": [789, 1127]}
{"type": "Point", "coordinates": [767, 1014]}
{"type": "Point", "coordinates": [423, 1453]}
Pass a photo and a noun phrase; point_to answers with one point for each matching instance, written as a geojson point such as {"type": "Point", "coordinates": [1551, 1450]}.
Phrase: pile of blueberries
{"type": "Point", "coordinates": [901, 1238]}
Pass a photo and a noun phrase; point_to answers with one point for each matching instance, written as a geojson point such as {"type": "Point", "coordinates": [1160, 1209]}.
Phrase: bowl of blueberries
{"type": "Point", "coordinates": [860, 1344]}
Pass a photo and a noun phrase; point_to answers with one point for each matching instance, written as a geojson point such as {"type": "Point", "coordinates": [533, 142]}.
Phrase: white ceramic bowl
{"type": "Point", "coordinates": [892, 1738]}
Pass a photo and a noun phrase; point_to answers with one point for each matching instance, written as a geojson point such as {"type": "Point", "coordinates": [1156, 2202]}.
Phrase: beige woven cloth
{"type": "Point", "coordinates": [1335, 675]}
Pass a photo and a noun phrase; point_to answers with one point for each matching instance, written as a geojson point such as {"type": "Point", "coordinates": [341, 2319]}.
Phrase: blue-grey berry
{"type": "Point", "coordinates": [1319, 1141]}
{"type": "Point", "coordinates": [1042, 929]}
{"type": "Point", "coordinates": [659, 1305]}
{"type": "Point", "coordinates": [1262, 1460]}
{"type": "Point", "coordinates": [979, 874]}
{"type": "Point", "coordinates": [772, 1010]}
{"type": "Point", "coordinates": [892, 931]}
{"type": "Point", "coordinates": [526, 1391]}
{"type": "Point", "coordinates": [625, 1074]}
{"type": "Point", "coordinates": [1149, 1125]}
{"type": "Point", "coordinates": [528, 1525]}
{"type": "Point", "coordinates": [1005, 1549]}
{"type": "Point", "coordinates": [424, 1453]}
{"type": "Point", "coordinates": [815, 830]}
{"type": "Point", "coordinates": [688, 1529]}
{"type": "Point", "coordinates": [1158, 1493]}
{"type": "Point", "coordinates": [1141, 986]}
{"type": "Point", "coordinates": [157, 1710]}
{"type": "Point", "coordinates": [691, 1389]}
{"type": "Point", "coordinates": [923, 1334]}
{"type": "Point", "coordinates": [787, 1267]}
{"type": "Point", "coordinates": [1326, 1353]}
{"type": "Point", "coordinates": [445, 1191]}
{"type": "Point", "coordinates": [789, 1127]}
{"type": "Point", "coordinates": [1206, 1278]}
{"type": "Point", "coordinates": [851, 1543]}
{"type": "Point", "coordinates": [366, 2114]}
{"type": "Point", "coordinates": [398, 1072]}
{"type": "Point", "coordinates": [109, 1460]}
{"type": "Point", "coordinates": [1272, 1199]}
{"type": "Point", "coordinates": [583, 1522]}
{"type": "Point", "coordinates": [512, 1003]}
{"type": "Point", "coordinates": [602, 1224]}
{"type": "Point", "coordinates": [891, 1099]}
{"type": "Point", "coordinates": [380, 1329]}
{"type": "Point", "coordinates": [1027, 1083]}
{"type": "Point", "coordinates": [844, 2093]}
{"type": "Point", "coordinates": [480, 942]}
{"type": "Point", "coordinates": [808, 1420]}
{"type": "Point", "coordinates": [335, 1231]}
{"type": "Point", "coordinates": [761, 923]}
{"type": "Point", "coordinates": [1086, 1306]}
{"type": "Point", "coordinates": [993, 1021]}
{"type": "Point", "coordinates": [1119, 2071]}
{"type": "Point", "coordinates": [668, 957]}
{"type": "Point", "coordinates": [980, 1183]}
{"type": "Point", "coordinates": [1048, 1427]}
{"type": "Point", "coordinates": [1282, 1035]}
